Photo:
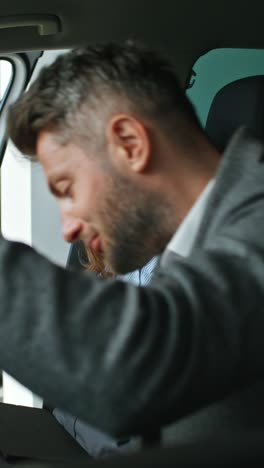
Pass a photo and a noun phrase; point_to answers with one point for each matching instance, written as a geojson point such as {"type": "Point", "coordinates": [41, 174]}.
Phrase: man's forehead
{"type": "Point", "coordinates": [52, 156]}
{"type": "Point", "coordinates": [57, 158]}
{"type": "Point", "coordinates": [46, 144]}
{"type": "Point", "coordinates": [50, 150]}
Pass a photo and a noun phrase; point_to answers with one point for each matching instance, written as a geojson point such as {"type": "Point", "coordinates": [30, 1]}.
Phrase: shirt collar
{"type": "Point", "coordinates": [183, 239]}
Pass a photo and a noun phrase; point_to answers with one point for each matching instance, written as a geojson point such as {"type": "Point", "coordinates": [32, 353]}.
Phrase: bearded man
{"type": "Point", "coordinates": [135, 176]}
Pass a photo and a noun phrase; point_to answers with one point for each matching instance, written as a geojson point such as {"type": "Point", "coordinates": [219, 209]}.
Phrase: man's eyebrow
{"type": "Point", "coordinates": [52, 188]}
{"type": "Point", "coordinates": [52, 181]}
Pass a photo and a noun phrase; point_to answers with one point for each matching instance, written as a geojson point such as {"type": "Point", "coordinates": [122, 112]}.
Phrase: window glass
{"type": "Point", "coordinates": [5, 76]}
{"type": "Point", "coordinates": [218, 68]}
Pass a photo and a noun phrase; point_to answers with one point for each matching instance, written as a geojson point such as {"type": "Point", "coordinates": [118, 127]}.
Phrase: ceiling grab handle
{"type": "Point", "coordinates": [47, 25]}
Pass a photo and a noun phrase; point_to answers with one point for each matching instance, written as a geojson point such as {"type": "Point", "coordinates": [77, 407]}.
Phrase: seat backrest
{"type": "Point", "coordinates": [238, 103]}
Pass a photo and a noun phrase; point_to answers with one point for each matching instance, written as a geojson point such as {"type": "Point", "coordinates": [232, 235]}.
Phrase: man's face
{"type": "Point", "coordinates": [110, 213]}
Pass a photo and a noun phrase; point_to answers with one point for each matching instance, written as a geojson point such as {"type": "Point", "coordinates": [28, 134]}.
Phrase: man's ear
{"type": "Point", "coordinates": [129, 142]}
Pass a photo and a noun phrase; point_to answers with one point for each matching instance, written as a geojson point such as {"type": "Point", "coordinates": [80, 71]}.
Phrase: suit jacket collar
{"type": "Point", "coordinates": [234, 177]}
{"type": "Point", "coordinates": [238, 161]}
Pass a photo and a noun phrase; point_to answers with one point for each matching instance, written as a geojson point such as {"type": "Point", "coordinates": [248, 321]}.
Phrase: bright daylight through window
{"type": "Point", "coordinates": [5, 76]}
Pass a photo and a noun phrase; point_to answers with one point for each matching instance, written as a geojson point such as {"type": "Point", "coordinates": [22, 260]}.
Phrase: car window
{"type": "Point", "coordinates": [23, 220]}
{"type": "Point", "coordinates": [6, 72]}
{"type": "Point", "coordinates": [216, 69]}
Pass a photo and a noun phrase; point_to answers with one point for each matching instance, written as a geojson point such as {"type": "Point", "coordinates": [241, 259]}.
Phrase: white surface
{"type": "Point", "coordinates": [16, 394]}
{"type": "Point", "coordinates": [5, 76]}
{"type": "Point", "coordinates": [16, 213]}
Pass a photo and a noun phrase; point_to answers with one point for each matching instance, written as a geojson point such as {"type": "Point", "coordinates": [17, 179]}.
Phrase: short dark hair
{"type": "Point", "coordinates": [77, 79]}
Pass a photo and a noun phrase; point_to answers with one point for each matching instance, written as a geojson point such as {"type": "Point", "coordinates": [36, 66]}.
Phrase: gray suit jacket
{"type": "Point", "coordinates": [129, 358]}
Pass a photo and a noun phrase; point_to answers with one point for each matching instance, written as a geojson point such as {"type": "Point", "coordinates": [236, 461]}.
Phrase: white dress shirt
{"type": "Point", "coordinates": [183, 239]}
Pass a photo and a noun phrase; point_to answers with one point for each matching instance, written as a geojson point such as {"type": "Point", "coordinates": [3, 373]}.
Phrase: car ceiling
{"type": "Point", "coordinates": [184, 29]}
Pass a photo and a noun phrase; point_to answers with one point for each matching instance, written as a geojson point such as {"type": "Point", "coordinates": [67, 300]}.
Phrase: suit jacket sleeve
{"type": "Point", "coordinates": [125, 358]}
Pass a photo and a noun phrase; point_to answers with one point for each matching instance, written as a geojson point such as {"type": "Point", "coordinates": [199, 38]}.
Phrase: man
{"type": "Point", "coordinates": [135, 175]}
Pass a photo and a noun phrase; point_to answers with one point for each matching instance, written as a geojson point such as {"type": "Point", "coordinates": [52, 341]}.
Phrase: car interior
{"type": "Point", "coordinates": [218, 52]}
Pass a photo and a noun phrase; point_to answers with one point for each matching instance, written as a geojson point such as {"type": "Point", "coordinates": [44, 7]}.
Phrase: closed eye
{"type": "Point", "coordinates": [61, 189]}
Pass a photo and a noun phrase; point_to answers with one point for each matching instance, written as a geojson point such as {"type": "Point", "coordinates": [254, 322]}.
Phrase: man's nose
{"type": "Point", "coordinates": [71, 229]}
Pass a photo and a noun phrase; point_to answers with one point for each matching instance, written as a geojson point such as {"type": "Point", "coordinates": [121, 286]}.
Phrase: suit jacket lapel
{"type": "Point", "coordinates": [238, 162]}
{"type": "Point", "coordinates": [239, 159]}
{"type": "Point", "coordinates": [167, 257]}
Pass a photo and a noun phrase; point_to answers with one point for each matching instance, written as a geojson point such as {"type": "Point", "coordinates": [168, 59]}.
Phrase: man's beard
{"type": "Point", "coordinates": [137, 225]}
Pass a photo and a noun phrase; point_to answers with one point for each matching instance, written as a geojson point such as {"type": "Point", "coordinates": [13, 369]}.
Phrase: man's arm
{"type": "Point", "coordinates": [124, 357]}
{"type": "Point", "coordinates": [94, 441]}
